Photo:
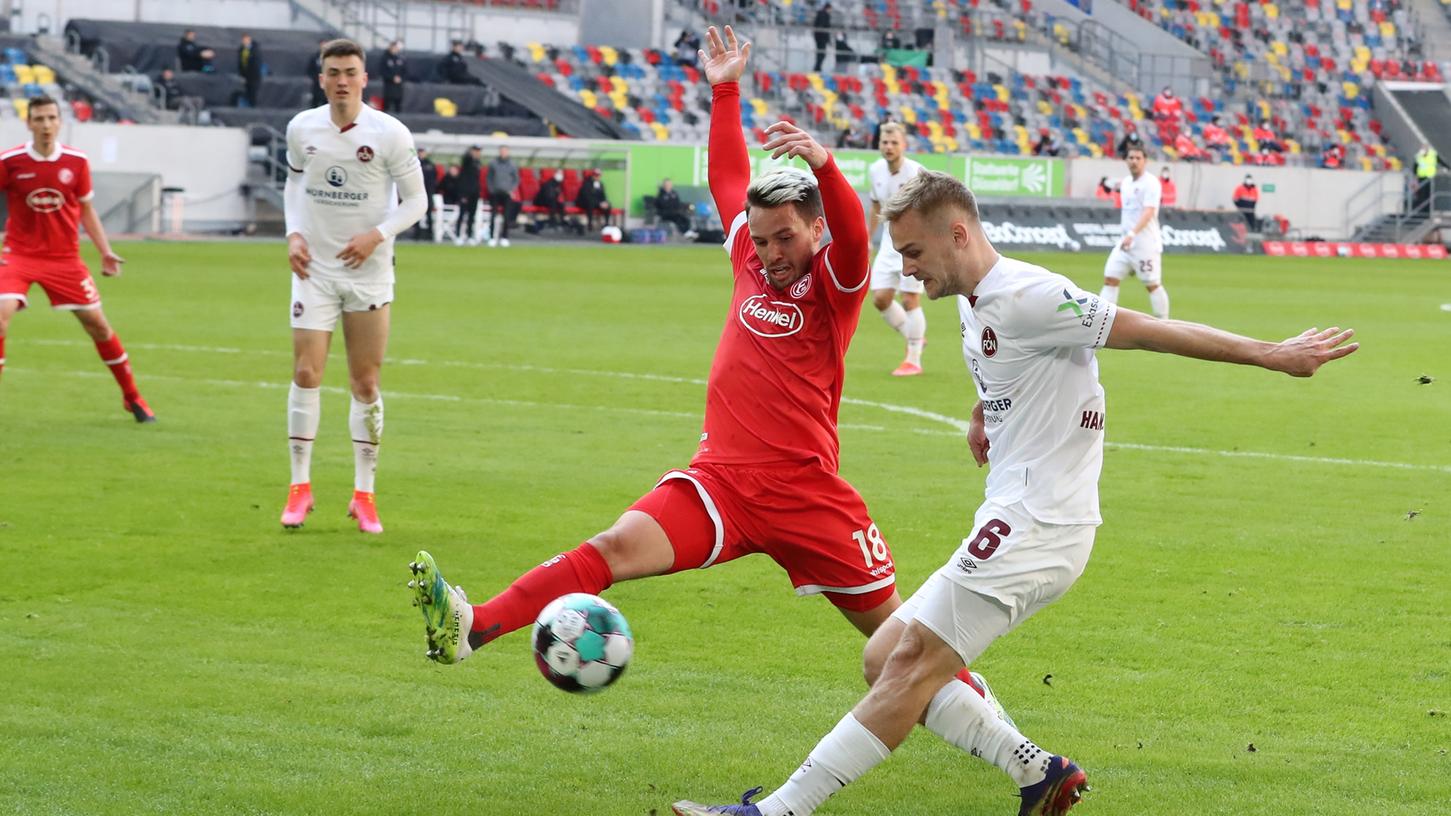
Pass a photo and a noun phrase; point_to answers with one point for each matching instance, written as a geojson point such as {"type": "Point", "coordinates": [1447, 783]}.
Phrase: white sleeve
{"type": "Point", "coordinates": [403, 166]}
{"type": "Point", "coordinates": [1054, 313]}
{"type": "Point", "coordinates": [1153, 192]}
{"type": "Point", "coordinates": [294, 193]}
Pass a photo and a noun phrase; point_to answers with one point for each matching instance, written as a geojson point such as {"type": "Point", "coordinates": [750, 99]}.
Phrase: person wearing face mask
{"type": "Point", "coordinates": [1246, 198]}
{"type": "Point", "coordinates": [1169, 196]}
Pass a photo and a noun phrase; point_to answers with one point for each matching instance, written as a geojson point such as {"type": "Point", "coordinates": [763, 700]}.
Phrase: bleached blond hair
{"type": "Point", "coordinates": [786, 185]}
{"type": "Point", "coordinates": [929, 192]}
{"type": "Point", "coordinates": [894, 127]}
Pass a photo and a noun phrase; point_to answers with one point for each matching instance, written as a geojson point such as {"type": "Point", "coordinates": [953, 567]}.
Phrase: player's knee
{"type": "Point", "coordinates": [1110, 281]}
{"type": "Point", "coordinates": [878, 649]}
{"type": "Point", "coordinates": [96, 326]}
{"type": "Point", "coordinates": [882, 299]}
{"type": "Point", "coordinates": [306, 375]}
{"type": "Point", "coordinates": [631, 551]}
{"type": "Point", "coordinates": [910, 301]}
{"type": "Point", "coordinates": [365, 389]}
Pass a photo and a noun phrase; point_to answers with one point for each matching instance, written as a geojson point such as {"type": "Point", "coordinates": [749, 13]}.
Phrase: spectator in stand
{"type": "Point", "coordinates": [1426, 167]}
{"type": "Point", "coordinates": [1131, 139]}
{"type": "Point", "coordinates": [1333, 156]}
{"type": "Point", "coordinates": [855, 136]}
{"type": "Point", "coordinates": [551, 198]}
{"type": "Point", "coordinates": [686, 47]}
{"type": "Point", "coordinates": [1187, 150]}
{"type": "Point", "coordinates": [423, 230]}
{"type": "Point", "coordinates": [314, 71]}
{"type": "Point", "coordinates": [670, 208]}
{"type": "Point", "coordinates": [1216, 138]}
{"type": "Point", "coordinates": [249, 68]}
{"type": "Point", "coordinates": [503, 181]}
{"type": "Point", "coordinates": [1246, 198]}
{"type": "Point", "coordinates": [455, 67]}
{"type": "Point", "coordinates": [1168, 107]}
{"type": "Point", "coordinates": [170, 91]}
{"type": "Point", "coordinates": [890, 40]}
{"type": "Point", "coordinates": [1168, 191]}
{"type": "Point", "coordinates": [393, 65]}
{"type": "Point", "coordinates": [1047, 144]}
{"type": "Point", "coordinates": [821, 31]}
{"type": "Point", "coordinates": [845, 54]}
{"type": "Point", "coordinates": [593, 200]}
{"type": "Point", "coordinates": [1269, 158]}
{"type": "Point", "coordinates": [192, 56]}
{"type": "Point", "coordinates": [1266, 137]}
{"type": "Point", "coordinates": [469, 169]}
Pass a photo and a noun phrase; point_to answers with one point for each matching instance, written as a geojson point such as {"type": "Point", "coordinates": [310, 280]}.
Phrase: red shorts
{"type": "Point", "coordinates": [808, 520]}
{"type": "Point", "coordinates": [66, 281]}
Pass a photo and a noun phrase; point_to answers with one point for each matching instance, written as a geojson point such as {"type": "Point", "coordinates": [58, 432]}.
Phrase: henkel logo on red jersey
{"type": "Point", "coordinates": [45, 200]}
{"type": "Point", "coordinates": [770, 318]}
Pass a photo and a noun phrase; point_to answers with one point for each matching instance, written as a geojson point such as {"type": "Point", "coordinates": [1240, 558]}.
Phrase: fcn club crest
{"type": "Point", "coordinates": [801, 287]}
{"type": "Point", "coordinates": [365, 154]}
{"type": "Point", "coordinates": [989, 341]}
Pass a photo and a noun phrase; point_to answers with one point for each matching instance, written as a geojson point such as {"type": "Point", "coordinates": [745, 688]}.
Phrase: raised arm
{"type": "Point", "coordinates": [724, 61]}
{"type": "Point", "coordinates": [1299, 356]}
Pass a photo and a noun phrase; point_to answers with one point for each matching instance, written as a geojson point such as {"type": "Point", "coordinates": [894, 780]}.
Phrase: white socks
{"type": "Point", "coordinates": [842, 756]}
{"type": "Point", "coordinates": [1108, 294]}
{"type": "Point", "coordinates": [304, 410]}
{"type": "Point", "coordinates": [916, 332]}
{"type": "Point", "coordinates": [1159, 303]}
{"type": "Point", "coordinates": [896, 317]}
{"type": "Point", "coordinates": [365, 422]}
{"type": "Point", "coordinates": [963, 718]}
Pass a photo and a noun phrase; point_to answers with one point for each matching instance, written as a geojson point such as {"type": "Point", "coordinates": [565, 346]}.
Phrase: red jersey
{"type": "Point", "coordinates": [775, 384]}
{"type": "Point", "coordinates": [44, 194]}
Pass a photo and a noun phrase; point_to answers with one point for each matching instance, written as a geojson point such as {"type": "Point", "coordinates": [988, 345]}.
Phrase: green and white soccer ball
{"type": "Point", "coordinates": [582, 643]}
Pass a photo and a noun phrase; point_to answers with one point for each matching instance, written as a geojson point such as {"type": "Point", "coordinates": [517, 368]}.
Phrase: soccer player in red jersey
{"type": "Point", "coordinates": [764, 478]}
{"type": "Point", "coordinates": [48, 189]}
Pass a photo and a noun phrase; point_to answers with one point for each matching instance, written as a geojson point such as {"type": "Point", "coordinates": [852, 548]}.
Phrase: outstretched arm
{"type": "Point", "coordinates": [724, 61]}
{"type": "Point", "coordinates": [1299, 356]}
{"type": "Point", "coordinates": [843, 208]}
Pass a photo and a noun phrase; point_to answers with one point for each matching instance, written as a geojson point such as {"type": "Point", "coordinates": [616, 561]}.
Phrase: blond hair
{"type": "Point", "coordinates": [893, 127]}
{"type": "Point", "coordinates": [929, 192]}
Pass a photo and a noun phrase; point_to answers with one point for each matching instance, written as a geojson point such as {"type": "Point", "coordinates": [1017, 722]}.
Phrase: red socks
{"type": "Point", "coordinates": [582, 569]}
{"type": "Point", "coordinates": [113, 354]}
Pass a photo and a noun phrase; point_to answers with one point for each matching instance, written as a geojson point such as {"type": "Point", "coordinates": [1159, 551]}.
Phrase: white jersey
{"type": "Point", "coordinates": [1028, 336]}
{"type": "Point", "coordinates": [351, 178]}
{"type": "Point", "coordinates": [885, 183]}
{"type": "Point", "coordinates": [1135, 197]}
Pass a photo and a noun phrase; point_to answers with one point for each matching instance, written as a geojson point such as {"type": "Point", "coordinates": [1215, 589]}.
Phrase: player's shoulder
{"type": "Point", "coordinates": [312, 117]}
{"type": "Point", "coordinates": [877, 167]}
{"type": "Point", "coordinates": [19, 151]}
{"type": "Point", "coordinates": [912, 166]}
{"type": "Point", "coordinates": [1019, 288]}
{"type": "Point", "coordinates": [66, 151]}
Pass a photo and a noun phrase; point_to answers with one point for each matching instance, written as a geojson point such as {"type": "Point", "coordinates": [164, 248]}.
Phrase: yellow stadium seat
{"type": "Point", "coordinates": [536, 52]}
{"type": "Point", "coordinates": [1292, 146]}
{"type": "Point", "coordinates": [1388, 29]}
{"type": "Point", "coordinates": [1352, 90]}
{"type": "Point", "coordinates": [446, 107]}
{"type": "Point", "coordinates": [1272, 11]}
{"type": "Point", "coordinates": [1047, 109]}
{"type": "Point", "coordinates": [661, 133]}
{"type": "Point", "coordinates": [1002, 91]}
{"type": "Point", "coordinates": [758, 105]}
{"type": "Point", "coordinates": [609, 54]}
{"type": "Point", "coordinates": [22, 107]}
{"type": "Point", "coordinates": [24, 73]}
{"type": "Point", "coordinates": [44, 75]}
{"type": "Point", "coordinates": [1366, 164]}
{"type": "Point", "coordinates": [1393, 162]}
{"type": "Point", "coordinates": [1094, 150]}
{"type": "Point", "coordinates": [909, 115]}
{"type": "Point", "coordinates": [618, 85]}
{"type": "Point", "coordinates": [973, 131]}
{"type": "Point", "coordinates": [587, 98]}
{"type": "Point", "coordinates": [1279, 49]}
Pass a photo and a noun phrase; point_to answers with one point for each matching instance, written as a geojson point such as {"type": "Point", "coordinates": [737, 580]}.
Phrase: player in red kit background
{"type": "Point", "coordinates": [48, 189]}
{"type": "Point", "coordinates": [764, 479]}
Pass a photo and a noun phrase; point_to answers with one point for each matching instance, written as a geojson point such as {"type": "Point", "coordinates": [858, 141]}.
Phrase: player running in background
{"type": "Point", "coordinates": [1029, 341]}
{"type": "Point", "coordinates": [349, 166]}
{"type": "Point", "coordinates": [764, 478]}
{"type": "Point", "coordinates": [1140, 251]}
{"type": "Point", "coordinates": [48, 190]}
{"type": "Point", "coordinates": [887, 175]}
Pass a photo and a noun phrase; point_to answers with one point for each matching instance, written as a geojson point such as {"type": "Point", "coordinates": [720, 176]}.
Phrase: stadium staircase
{"type": "Point", "coordinates": [91, 75]}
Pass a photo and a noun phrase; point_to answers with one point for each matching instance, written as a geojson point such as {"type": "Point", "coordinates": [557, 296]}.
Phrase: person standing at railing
{"type": "Point", "coordinates": [393, 64]}
{"type": "Point", "coordinates": [1426, 167]}
{"type": "Point", "coordinates": [821, 32]}
{"type": "Point", "coordinates": [249, 67]}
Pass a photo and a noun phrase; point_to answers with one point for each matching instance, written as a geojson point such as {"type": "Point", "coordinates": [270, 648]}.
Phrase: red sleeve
{"type": "Point", "coordinates": [730, 166]}
{"type": "Point", "coordinates": [847, 254]}
{"type": "Point", "coordinates": [4, 175]}
{"type": "Point", "coordinates": [83, 180]}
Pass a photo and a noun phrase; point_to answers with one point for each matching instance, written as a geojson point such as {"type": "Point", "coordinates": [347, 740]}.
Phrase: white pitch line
{"type": "Point", "coordinates": [958, 426]}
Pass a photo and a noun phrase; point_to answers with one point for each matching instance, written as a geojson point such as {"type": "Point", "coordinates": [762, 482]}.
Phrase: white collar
{"type": "Point", "coordinates": [30, 149]}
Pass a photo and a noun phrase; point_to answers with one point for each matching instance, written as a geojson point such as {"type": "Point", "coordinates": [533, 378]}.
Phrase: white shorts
{"type": "Point", "coordinates": [1018, 563]}
{"type": "Point", "coordinates": [887, 270]}
{"type": "Point", "coordinates": [318, 302]}
{"type": "Point", "coordinates": [1148, 266]}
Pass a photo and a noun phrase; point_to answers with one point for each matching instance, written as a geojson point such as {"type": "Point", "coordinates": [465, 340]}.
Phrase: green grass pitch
{"type": "Point", "coordinates": [166, 648]}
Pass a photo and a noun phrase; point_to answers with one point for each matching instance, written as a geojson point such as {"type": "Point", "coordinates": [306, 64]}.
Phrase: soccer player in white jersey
{"type": "Point", "coordinates": [349, 166]}
{"type": "Point", "coordinates": [1029, 338]}
{"type": "Point", "coordinates": [1140, 251]}
{"type": "Point", "coordinates": [887, 175]}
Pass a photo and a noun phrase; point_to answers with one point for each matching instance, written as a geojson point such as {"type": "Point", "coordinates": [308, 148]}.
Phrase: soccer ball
{"type": "Point", "coordinates": [582, 643]}
{"type": "Point", "coordinates": [611, 235]}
